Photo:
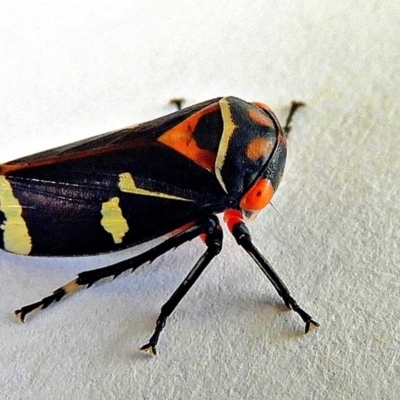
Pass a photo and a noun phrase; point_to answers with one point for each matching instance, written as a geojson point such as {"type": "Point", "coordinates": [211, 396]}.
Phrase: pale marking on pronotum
{"type": "Point", "coordinates": [15, 231]}
{"type": "Point", "coordinates": [127, 184]}
{"type": "Point", "coordinates": [229, 129]}
{"type": "Point", "coordinates": [259, 147]}
{"type": "Point", "coordinates": [113, 221]}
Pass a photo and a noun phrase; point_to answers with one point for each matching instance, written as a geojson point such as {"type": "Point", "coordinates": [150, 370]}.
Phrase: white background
{"type": "Point", "coordinates": [72, 69]}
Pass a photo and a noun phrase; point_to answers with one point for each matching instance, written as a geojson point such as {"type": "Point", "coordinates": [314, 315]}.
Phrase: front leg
{"type": "Point", "coordinates": [242, 235]}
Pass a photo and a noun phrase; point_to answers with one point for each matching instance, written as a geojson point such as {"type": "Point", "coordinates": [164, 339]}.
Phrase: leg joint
{"type": "Point", "coordinates": [241, 233]}
{"type": "Point", "coordinates": [214, 236]}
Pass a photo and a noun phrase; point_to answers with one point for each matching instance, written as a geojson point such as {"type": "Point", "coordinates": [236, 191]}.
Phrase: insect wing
{"type": "Point", "coordinates": [108, 142]}
{"type": "Point", "coordinates": [111, 192]}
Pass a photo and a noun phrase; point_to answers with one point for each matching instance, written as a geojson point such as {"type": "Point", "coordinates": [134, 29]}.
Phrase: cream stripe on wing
{"type": "Point", "coordinates": [127, 184]}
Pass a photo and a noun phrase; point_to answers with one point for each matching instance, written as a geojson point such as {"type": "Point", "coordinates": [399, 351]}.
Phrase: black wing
{"type": "Point", "coordinates": [83, 199]}
{"type": "Point", "coordinates": [123, 137]}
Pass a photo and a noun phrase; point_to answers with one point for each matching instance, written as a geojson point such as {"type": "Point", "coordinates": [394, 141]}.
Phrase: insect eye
{"type": "Point", "coordinates": [259, 195]}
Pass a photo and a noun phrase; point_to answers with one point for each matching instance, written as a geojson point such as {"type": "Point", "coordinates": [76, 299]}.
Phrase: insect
{"type": "Point", "coordinates": [165, 178]}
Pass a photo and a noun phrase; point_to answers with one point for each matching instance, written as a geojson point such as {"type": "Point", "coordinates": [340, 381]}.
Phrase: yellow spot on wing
{"type": "Point", "coordinates": [16, 236]}
{"type": "Point", "coordinates": [113, 221]}
{"type": "Point", "coordinates": [127, 184]}
{"type": "Point", "coordinates": [229, 129]}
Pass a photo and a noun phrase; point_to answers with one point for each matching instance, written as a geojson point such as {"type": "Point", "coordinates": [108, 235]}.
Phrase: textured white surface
{"type": "Point", "coordinates": [73, 69]}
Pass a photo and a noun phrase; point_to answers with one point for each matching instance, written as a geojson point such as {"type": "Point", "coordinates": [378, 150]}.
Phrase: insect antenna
{"type": "Point", "coordinates": [295, 105]}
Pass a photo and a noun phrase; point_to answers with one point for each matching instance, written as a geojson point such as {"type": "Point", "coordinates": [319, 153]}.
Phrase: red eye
{"type": "Point", "coordinates": [259, 195]}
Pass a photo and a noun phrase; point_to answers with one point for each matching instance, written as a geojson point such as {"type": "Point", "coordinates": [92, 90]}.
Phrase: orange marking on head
{"type": "Point", "coordinates": [260, 118]}
{"type": "Point", "coordinates": [180, 138]}
{"type": "Point", "coordinates": [259, 195]}
{"type": "Point", "coordinates": [258, 147]}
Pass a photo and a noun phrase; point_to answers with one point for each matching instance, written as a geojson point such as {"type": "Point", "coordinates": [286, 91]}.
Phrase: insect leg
{"type": "Point", "coordinates": [213, 241]}
{"type": "Point", "coordinates": [243, 238]}
{"type": "Point", "coordinates": [88, 278]}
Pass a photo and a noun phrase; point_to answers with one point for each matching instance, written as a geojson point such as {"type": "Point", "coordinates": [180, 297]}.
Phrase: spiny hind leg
{"type": "Point", "coordinates": [88, 278]}
{"type": "Point", "coordinates": [57, 295]}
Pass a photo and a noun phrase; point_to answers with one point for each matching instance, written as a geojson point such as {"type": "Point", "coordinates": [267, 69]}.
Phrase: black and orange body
{"type": "Point", "coordinates": [150, 179]}
{"type": "Point", "coordinates": [168, 177]}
